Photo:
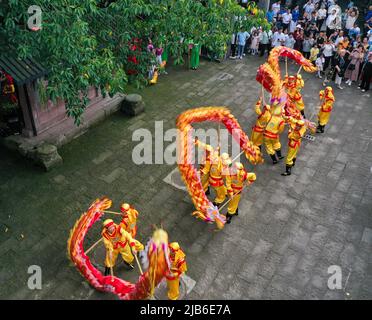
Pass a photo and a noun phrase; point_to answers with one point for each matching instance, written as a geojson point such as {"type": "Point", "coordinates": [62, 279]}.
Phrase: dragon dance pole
{"type": "Point", "coordinates": [112, 212]}
{"type": "Point", "coordinates": [93, 246]}
{"type": "Point", "coordinates": [139, 265]}
{"type": "Point", "coordinates": [299, 70]}
{"type": "Point", "coordinates": [228, 201]}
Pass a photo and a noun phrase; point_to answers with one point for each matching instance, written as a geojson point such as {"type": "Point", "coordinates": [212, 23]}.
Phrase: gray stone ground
{"type": "Point", "coordinates": [289, 231]}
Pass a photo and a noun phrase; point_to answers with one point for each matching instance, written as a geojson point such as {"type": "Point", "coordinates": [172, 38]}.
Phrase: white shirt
{"type": "Point", "coordinates": [289, 42]}
{"type": "Point", "coordinates": [275, 7]}
{"type": "Point", "coordinates": [319, 62]}
{"type": "Point", "coordinates": [278, 39]}
{"type": "Point", "coordinates": [369, 35]}
{"type": "Point", "coordinates": [338, 40]}
{"type": "Point", "coordinates": [287, 17]}
{"type": "Point", "coordinates": [330, 19]}
{"type": "Point", "coordinates": [321, 14]}
{"type": "Point", "coordinates": [350, 21]}
{"type": "Point", "coordinates": [328, 50]}
{"type": "Point", "coordinates": [309, 8]}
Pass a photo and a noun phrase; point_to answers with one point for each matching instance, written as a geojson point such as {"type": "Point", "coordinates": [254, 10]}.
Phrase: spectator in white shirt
{"type": "Point", "coordinates": [321, 16]}
{"type": "Point", "coordinates": [278, 38]}
{"type": "Point", "coordinates": [290, 41]}
{"type": "Point", "coordinates": [340, 38]}
{"type": "Point", "coordinates": [332, 22]}
{"type": "Point", "coordinates": [352, 16]}
{"type": "Point", "coordinates": [286, 19]}
{"type": "Point", "coordinates": [328, 49]}
{"type": "Point", "coordinates": [309, 7]}
{"type": "Point", "coordinates": [275, 8]}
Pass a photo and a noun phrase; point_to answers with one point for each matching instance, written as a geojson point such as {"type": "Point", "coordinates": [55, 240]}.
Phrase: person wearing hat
{"type": "Point", "coordinates": [129, 220]}
{"type": "Point", "coordinates": [117, 240]}
{"type": "Point", "coordinates": [178, 266]}
{"type": "Point", "coordinates": [217, 174]}
{"type": "Point", "coordinates": [205, 165]}
{"type": "Point", "coordinates": [263, 118]}
{"type": "Point", "coordinates": [293, 85]}
{"type": "Point", "coordinates": [271, 135]}
{"type": "Point", "coordinates": [328, 99]}
{"type": "Point", "coordinates": [235, 183]}
{"type": "Point", "coordinates": [295, 134]}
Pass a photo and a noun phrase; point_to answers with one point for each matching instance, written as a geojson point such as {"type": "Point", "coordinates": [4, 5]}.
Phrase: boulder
{"type": "Point", "coordinates": [47, 156]}
{"type": "Point", "coordinates": [133, 105]}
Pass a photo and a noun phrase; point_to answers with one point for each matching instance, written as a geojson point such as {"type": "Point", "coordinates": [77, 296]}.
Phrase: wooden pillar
{"type": "Point", "coordinates": [29, 130]}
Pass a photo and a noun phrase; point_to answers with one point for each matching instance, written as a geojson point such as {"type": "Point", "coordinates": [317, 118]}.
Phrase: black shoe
{"type": "Point", "coordinates": [294, 162]}
{"type": "Point", "coordinates": [228, 218]}
{"type": "Point", "coordinates": [237, 212]}
{"type": "Point", "coordinates": [287, 171]}
{"type": "Point", "coordinates": [303, 114]}
{"type": "Point", "coordinates": [217, 204]}
{"type": "Point", "coordinates": [319, 129]}
{"type": "Point", "coordinates": [322, 129]}
{"type": "Point", "coordinates": [279, 154]}
{"type": "Point", "coordinates": [273, 157]}
{"type": "Point", "coordinates": [107, 271]}
{"type": "Point", "coordinates": [208, 192]}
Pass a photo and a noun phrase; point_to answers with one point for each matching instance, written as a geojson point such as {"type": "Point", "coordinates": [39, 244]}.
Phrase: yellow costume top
{"type": "Point", "coordinates": [329, 99]}
{"type": "Point", "coordinates": [274, 127]}
{"type": "Point", "coordinates": [295, 135]}
{"type": "Point", "coordinates": [129, 221]}
{"type": "Point", "coordinates": [118, 239]}
{"type": "Point", "coordinates": [263, 117]}
{"type": "Point", "coordinates": [235, 182]}
{"type": "Point", "coordinates": [177, 259]}
{"type": "Point", "coordinates": [205, 166]}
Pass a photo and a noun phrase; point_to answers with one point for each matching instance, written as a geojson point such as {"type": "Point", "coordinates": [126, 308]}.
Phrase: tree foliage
{"type": "Point", "coordinates": [87, 43]}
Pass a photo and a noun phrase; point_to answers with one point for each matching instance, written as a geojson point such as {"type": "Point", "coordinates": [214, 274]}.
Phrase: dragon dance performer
{"type": "Point", "coordinates": [271, 135]}
{"type": "Point", "coordinates": [295, 134]}
{"type": "Point", "coordinates": [328, 99]}
{"type": "Point", "coordinates": [218, 172]}
{"type": "Point", "coordinates": [235, 183]}
{"type": "Point", "coordinates": [117, 240]}
{"type": "Point", "coordinates": [205, 166]}
{"type": "Point", "coordinates": [129, 220]}
{"type": "Point", "coordinates": [262, 120]}
{"type": "Point", "coordinates": [177, 268]}
{"type": "Point", "coordinates": [294, 85]}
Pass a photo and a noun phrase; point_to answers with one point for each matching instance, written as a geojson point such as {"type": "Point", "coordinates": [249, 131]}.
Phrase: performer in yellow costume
{"type": "Point", "coordinates": [117, 240]}
{"type": "Point", "coordinates": [177, 267]}
{"type": "Point", "coordinates": [235, 184]}
{"type": "Point", "coordinates": [262, 120]}
{"type": "Point", "coordinates": [328, 99]}
{"type": "Point", "coordinates": [217, 174]}
{"type": "Point", "coordinates": [271, 135]}
{"type": "Point", "coordinates": [205, 166]}
{"type": "Point", "coordinates": [295, 134]}
{"type": "Point", "coordinates": [129, 221]}
{"type": "Point", "coordinates": [294, 85]}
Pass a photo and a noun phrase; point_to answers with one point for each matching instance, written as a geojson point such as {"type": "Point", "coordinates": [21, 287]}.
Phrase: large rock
{"type": "Point", "coordinates": [133, 105]}
{"type": "Point", "coordinates": [47, 156]}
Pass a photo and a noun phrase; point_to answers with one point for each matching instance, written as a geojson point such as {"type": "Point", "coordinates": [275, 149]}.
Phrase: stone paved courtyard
{"type": "Point", "coordinates": [289, 230]}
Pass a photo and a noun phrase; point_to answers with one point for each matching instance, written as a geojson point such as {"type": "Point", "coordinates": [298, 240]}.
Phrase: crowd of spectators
{"type": "Point", "coordinates": [337, 40]}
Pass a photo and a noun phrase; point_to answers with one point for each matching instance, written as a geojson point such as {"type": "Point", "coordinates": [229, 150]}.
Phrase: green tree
{"type": "Point", "coordinates": [87, 43]}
